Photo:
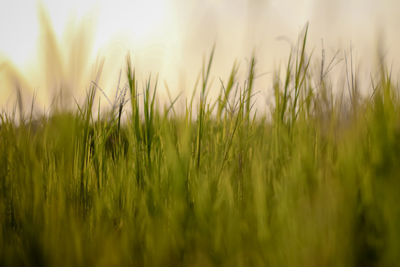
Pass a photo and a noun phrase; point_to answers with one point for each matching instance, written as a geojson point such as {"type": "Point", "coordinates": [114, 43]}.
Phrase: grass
{"type": "Point", "coordinates": [315, 183]}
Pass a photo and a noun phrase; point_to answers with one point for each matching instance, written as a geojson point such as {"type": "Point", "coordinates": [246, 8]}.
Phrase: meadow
{"type": "Point", "coordinates": [312, 181]}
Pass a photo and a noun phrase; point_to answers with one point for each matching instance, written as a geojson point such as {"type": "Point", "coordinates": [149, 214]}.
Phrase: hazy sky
{"type": "Point", "coordinates": [171, 37]}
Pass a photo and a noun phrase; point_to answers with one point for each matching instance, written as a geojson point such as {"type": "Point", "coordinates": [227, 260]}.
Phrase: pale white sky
{"type": "Point", "coordinates": [171, 37]}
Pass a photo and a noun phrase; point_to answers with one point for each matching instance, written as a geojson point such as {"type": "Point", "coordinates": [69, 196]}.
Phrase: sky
{"type": "Point", "coordinates": [172, 37]}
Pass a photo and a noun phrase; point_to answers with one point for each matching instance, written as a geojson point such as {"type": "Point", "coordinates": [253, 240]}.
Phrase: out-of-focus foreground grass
{"type": "Point", "coordinates": [316, 183]}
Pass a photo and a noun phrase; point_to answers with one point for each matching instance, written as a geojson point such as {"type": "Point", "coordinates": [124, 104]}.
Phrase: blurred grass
{"type": "Point", "coordinates": [314, 184]}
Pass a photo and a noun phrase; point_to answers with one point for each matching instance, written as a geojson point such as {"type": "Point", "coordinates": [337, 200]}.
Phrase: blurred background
{"type": "Point", "coordinates": [52, 43]}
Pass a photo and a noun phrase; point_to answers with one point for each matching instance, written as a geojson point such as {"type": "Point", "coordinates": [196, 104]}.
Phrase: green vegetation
{"type": "Point", "coordinates": [315, 182]}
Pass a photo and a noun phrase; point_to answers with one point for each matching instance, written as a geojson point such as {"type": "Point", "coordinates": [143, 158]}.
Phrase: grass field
{"type": "Point", "coordinates": [314, 181]}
